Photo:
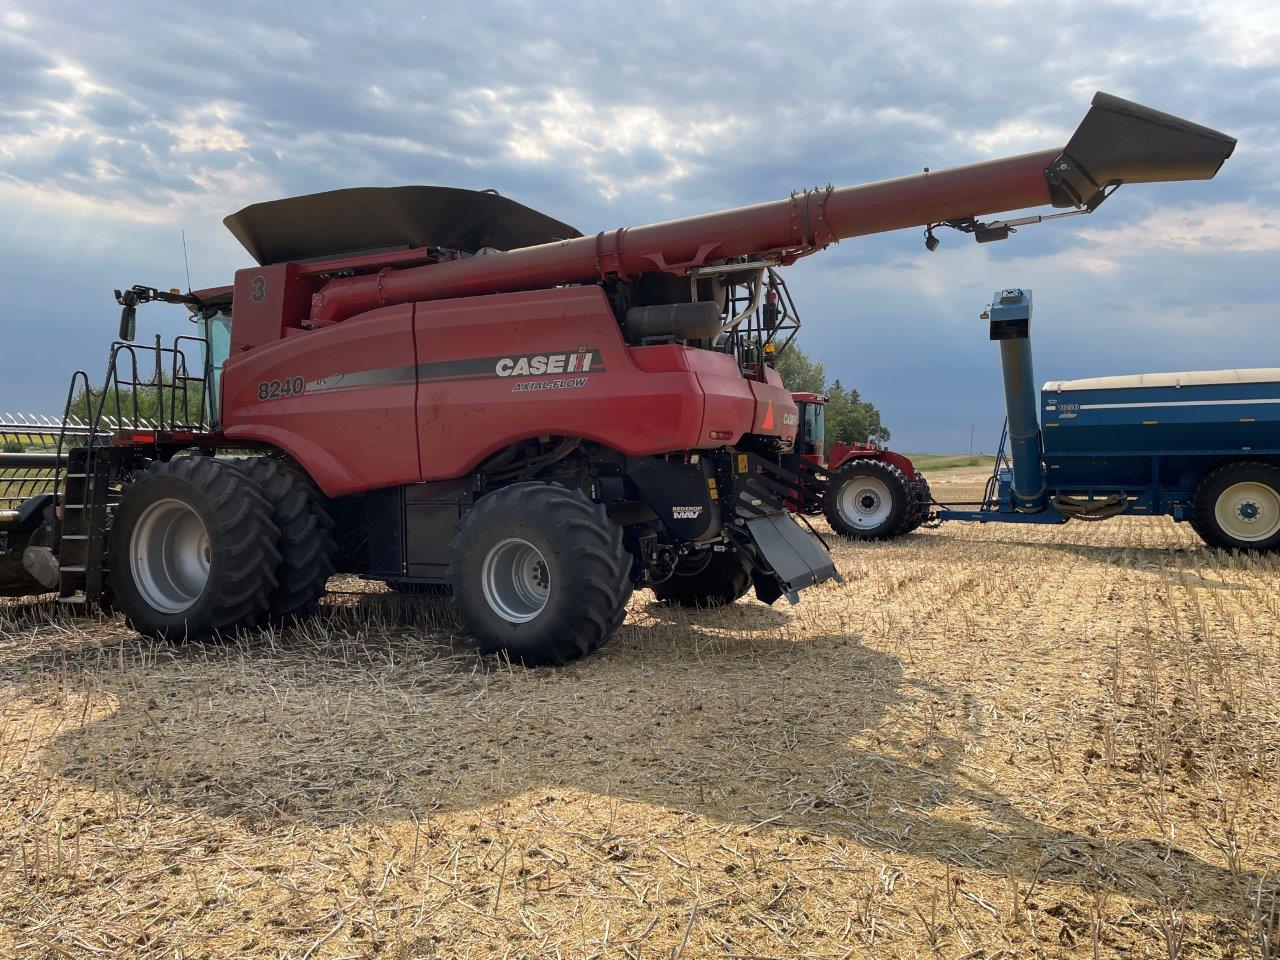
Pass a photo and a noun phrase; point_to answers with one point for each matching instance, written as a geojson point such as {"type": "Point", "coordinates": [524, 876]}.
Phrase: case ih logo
{"type": "Point", "coordinates": [579, 361]}
{"type": "Point", "coordinates": [583, 360]}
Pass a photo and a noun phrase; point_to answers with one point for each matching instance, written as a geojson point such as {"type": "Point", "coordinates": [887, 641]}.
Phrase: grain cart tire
{"type": "Point", "coordinates": [712, 580]}
{"type": "Point", "coordinates": [1237, 507]}
{"type": "Point", "coordinates": [306, 544]}
{"type": "Point", "coordinates": [539, 573]}
{"type": "Point", "coordinates": [868, 500]}
{"type": "Point", "coordinates": [193, 550]}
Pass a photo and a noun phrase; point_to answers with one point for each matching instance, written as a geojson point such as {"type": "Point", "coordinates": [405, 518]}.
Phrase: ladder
{"type": "Point", "coordinates": [82, 544]}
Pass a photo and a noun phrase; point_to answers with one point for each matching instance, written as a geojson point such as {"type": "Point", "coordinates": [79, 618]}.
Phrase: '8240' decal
{"type": "Point", "coordinates": [275, 389]}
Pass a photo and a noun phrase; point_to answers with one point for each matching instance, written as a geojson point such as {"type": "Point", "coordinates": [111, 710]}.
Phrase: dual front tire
{"type": "Point", "coordinates": [201, 546]}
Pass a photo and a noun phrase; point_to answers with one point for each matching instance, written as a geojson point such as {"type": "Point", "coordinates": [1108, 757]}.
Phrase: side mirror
{"type": "Point", "coordinates": [128, 322]}
{"type": "Point", "coordinates": [128, 301]}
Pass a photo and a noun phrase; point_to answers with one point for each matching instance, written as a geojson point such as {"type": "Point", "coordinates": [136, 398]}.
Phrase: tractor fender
{"type": "Point", "coordinates": [842, 452]}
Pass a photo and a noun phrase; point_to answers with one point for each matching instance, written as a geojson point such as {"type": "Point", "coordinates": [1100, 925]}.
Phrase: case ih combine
{"type": "Point", "coordinates": [432, 386]}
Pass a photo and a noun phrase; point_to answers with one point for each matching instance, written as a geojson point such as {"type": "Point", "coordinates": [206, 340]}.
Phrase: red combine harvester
{"type": "Point", "coordinates": [442, 388]}
{"type": "Point", "coordinates": [865, 491]}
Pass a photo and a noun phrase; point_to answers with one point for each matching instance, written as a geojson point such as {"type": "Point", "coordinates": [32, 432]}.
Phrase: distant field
{"type": "Point", "coordinates": [944, 461]}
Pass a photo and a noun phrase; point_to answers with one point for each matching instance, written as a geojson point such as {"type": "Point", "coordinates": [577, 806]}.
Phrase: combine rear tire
{"type": "Point", "coordinates": [306, 542]}
{"type": "Point", "coordinates": [539, 572]}
{"type": "Point", "coordinates": [193, 550]}
{"type": "Point", "coordinates": [869, 500]}
{"type": "Point", "coordinates": [1237, 507]}
{"type": "Point", "coordinates": [711, 580]}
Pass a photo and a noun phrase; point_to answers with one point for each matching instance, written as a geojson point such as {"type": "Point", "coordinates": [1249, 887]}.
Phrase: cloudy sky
{"type": "Point", "coordinates": [123, 124]}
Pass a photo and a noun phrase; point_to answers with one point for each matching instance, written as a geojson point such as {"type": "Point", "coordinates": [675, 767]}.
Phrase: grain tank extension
{"type": "Point", "coordinates": [445, 390]}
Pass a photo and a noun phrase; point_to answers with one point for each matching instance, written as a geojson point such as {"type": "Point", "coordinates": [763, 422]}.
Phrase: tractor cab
{"type": "Point", "coordinates": [811, 432]}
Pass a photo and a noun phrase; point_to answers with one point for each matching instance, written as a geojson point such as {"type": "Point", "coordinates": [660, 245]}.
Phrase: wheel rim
{"type": "Point", "coordinates": [516, 580]}
{"type": "Point", "coordinates": [1249, 511]}
{"type": "Point", "coordinates": [169, 556]}
{"type": "Point", "coordinates": [865, 502]}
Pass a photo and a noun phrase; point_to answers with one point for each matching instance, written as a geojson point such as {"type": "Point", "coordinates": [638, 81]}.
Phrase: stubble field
{"type": "Point", "coordinates": [991, 741]}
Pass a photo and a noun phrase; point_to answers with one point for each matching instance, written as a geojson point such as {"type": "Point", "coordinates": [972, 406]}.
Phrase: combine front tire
{"type": "Point", "coordinates": [710, 580]}
{"type": "Point", "coordinates": [539, 572]}
{"type": "Point", "coordinates": [193, 550]}
{"type": "Point", "coordinates": [1237, 507]}
{"type": "Point", "coordinates": [869, 500]}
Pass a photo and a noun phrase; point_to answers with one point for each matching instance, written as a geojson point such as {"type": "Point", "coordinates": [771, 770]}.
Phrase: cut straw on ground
{"type": "Point", "coordinates": [990, 741]}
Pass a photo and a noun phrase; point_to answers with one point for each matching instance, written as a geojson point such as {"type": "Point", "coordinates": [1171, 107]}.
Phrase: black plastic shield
{"type": "Point", "coordinates": [794, 554]}
{"type": "Point", "coordinates": [1123, 142]}
{"type": "Point", "coordinates": [360, 219]}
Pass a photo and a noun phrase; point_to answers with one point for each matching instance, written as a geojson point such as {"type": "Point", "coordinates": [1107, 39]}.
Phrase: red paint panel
{"type": "Point", "coordinates": [776, 414]}
{"type": "Point", "coordinates": [349, 438]}
{"type": "Point", "coordinates": [618, 403]}
{"type": "Point", "coordinates": [842, 452]}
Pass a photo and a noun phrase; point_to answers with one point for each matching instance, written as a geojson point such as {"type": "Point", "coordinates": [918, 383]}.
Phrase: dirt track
{"type": "Point", "coordinates": [990, 741]}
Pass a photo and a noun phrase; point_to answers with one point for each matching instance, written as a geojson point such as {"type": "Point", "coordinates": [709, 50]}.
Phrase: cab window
{"type": "Point", "coordinates": [217, 333]}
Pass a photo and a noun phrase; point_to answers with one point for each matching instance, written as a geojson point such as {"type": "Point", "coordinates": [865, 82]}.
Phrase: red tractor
{"type": "Point", "coordinates": [444, 389]}
{"type": "Point", "coordinates": [865, 491]}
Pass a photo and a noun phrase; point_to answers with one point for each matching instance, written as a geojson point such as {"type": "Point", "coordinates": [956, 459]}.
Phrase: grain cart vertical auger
{"type": "Point", "coordinates": [443, 387]}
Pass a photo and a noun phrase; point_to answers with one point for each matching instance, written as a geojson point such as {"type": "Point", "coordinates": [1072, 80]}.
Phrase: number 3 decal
{"type": "Point", "coordinates": [258, 288]}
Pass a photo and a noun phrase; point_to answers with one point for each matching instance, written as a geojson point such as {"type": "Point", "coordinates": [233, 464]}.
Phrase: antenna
{"type": "Point", "coordinates": [185, 262]}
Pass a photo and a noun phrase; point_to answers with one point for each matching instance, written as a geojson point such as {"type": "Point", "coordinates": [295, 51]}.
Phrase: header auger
{"type": "Point", "coordinates": [445, 390]}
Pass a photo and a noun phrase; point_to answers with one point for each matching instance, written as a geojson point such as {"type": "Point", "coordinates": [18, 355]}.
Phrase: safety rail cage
{"type": "Point", "coordinates": [146, 388]}
{"type": "Point", "coordinates": [769, 321]}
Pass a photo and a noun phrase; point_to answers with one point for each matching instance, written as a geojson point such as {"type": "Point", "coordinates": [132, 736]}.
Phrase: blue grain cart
{"type": "Point", "coordinates": [1203, 446]}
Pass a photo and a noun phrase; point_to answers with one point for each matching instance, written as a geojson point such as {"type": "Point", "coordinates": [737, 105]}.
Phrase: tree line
{"type": "Point", "coordinates": [850, 419]}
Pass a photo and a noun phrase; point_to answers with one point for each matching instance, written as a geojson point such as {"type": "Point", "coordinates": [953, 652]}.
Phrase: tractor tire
{"type": "Point", "coordinates": [193, 550]}
{"type": "Point", "coordinates": [1237, 507]}
{"type": "Point", "coordinates": [306, 544]}
{"type": "Point", "coordinates": [869, 500]}
{"type": "Point", "coordinates": [922, 500]}
{"type": "Point", "coordinates": [716, 580]}
{"type": "Point", "coordinates": [539, 572]}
